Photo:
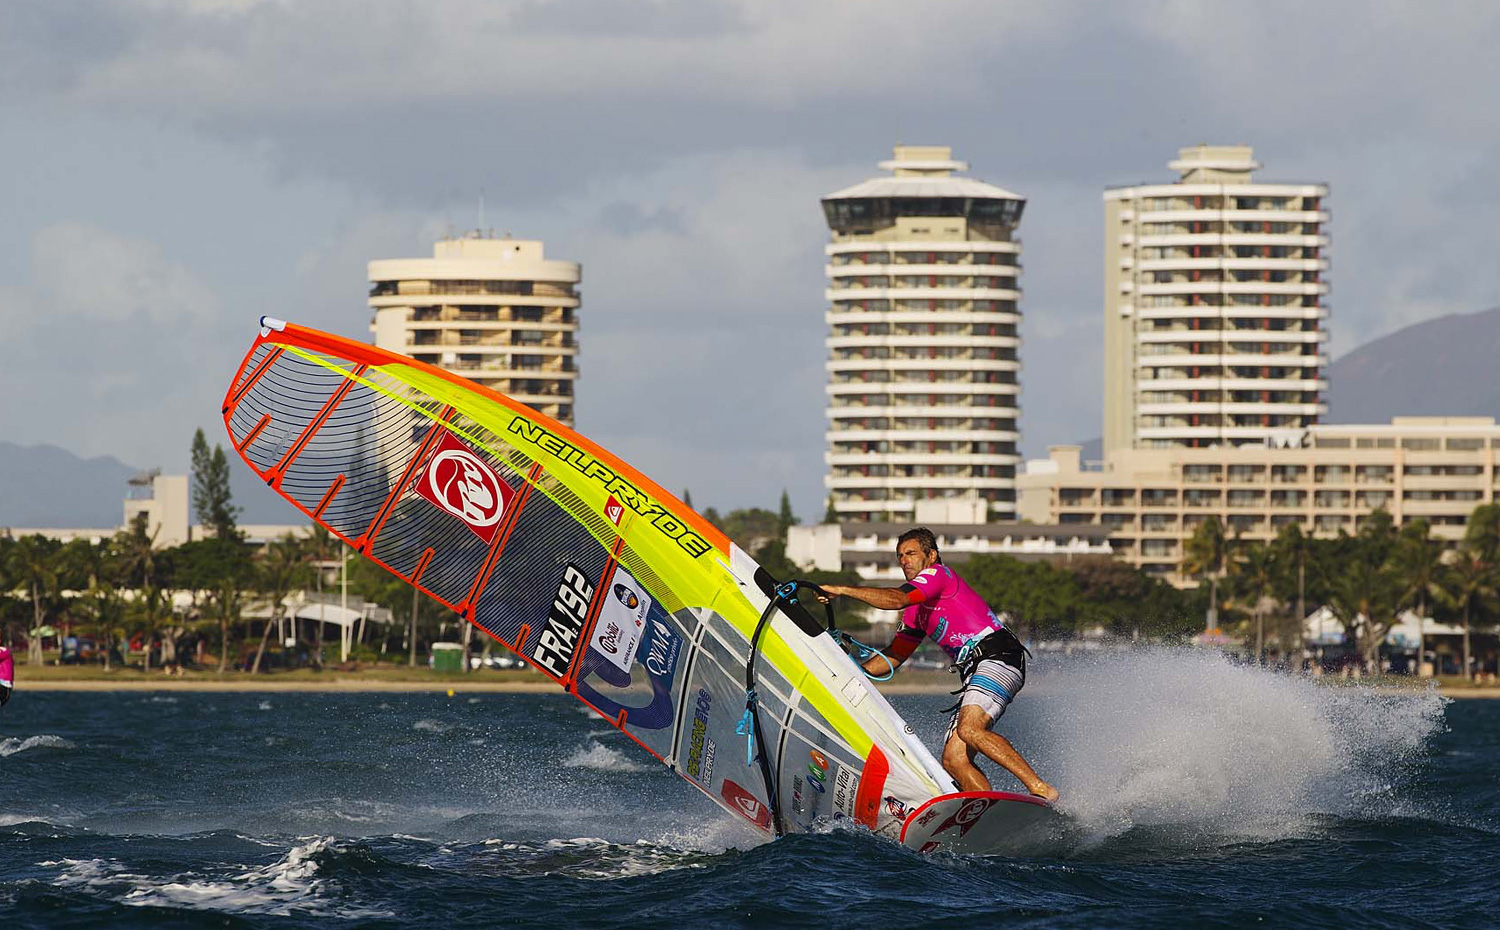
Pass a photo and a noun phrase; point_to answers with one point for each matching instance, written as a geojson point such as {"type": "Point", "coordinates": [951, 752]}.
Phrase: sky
{"type": "Point", "coordinates": [173, 169]}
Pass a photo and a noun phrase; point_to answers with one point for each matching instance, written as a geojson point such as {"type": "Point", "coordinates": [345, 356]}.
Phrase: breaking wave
{"type": "Point", "coordinates": [295, 884]}
{"type": "Point", "coordinates": [11, 746]}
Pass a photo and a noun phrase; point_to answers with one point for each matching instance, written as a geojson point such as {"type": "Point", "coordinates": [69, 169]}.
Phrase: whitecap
{"type": "Point", "coordinates": [602, 758]}
{"type": "Point", "coordinates": [291, 885]}
{"type": "Point", "coordinates": [589, 857]}
{"type": "Point", "coordinates": [11, 745]}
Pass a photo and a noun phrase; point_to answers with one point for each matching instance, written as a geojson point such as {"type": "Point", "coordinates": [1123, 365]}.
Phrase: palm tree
{"type": "Point", "coordinates": [281, 569]}
{"type": "Point", "coordinates": [34, 563]}
{"type": "Point", "coordinates": [100, 567]}
{"type": "Point", "coordinates": [319, 546]}
{"type": "Point", "coordinates": [1291, 548]}
{"type": "Point", "coordinates": [1363, 596]}
{"type": "Point", "coordinates": [1471, 589]}
{"type": "Point", "coordinates": [1254, 579]}
{"type": "Point", "coordinates": [138, 566]}
{"type": "Point", "coordinates": [1205, 555]}
{"type": "Point", "coordinates": [1482, 533]}
{"type": "Point", "coordinates": [1418, 561]}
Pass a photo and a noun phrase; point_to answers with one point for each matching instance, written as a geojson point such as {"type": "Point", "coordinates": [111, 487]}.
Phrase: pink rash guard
{"type": "Point", "coordinates": [949, 611]}
{"type": "Point", "coordinates": [7, 668]}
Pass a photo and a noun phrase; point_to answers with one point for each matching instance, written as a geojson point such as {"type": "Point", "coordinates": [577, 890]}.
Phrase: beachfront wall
{"type": "Point", "coordinates": [1324, 479]}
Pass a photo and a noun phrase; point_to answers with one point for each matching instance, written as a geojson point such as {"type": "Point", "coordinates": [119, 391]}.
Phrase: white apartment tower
{"type": "Point", "coordinates": [495, 311]}
{"type": "Point", "coordinates": [1214, 306]}
{"type": "Point", "coordinates": [922, 342]}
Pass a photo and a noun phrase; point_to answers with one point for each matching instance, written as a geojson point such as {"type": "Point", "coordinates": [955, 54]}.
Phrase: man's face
{"type": "Point", "coordinates": [914, 559]}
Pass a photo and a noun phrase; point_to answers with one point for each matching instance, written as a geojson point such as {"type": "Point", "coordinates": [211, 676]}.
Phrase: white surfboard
{"type": "Point", "coordinates": [982, 822]}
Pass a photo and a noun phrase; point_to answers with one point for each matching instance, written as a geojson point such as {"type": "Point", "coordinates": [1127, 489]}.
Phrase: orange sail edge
{"type": "Point", "coordinates": [291, 334]}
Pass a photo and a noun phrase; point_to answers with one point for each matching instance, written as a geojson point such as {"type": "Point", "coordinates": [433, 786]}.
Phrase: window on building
{"type": "Point", "coordinates": [1416, 444]}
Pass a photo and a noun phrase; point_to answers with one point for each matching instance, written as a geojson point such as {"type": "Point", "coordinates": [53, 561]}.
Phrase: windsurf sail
{"type": "Point", "coordinates": [589, 571]}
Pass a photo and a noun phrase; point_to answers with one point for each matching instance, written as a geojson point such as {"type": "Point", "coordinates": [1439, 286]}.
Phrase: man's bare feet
{"type": "Point", "coordinates": [1045, 791]}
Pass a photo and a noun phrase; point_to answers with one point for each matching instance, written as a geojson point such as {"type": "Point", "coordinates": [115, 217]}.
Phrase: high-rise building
{"type": "Point", "coordinates": [922, 342]}
{"type": "Point", "coordinates": [1214, 312]}
{"type": "Point", "coordinates": [495, 311]}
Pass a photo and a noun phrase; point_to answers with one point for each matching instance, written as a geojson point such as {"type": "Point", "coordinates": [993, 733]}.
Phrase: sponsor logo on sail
{"type": "Point", "coordinates": [746, 804]}
{"type": "Point", "coordinates": [662, 649]}
{"type": "Point", "coordinates": [625, 494]}
{"type": "Point", "coordinates": [610, 640]}
{"type": "Point", "coordinates": [559, 638]}
{"type": "Point", "coordinates": [459, 482]}
{"type": "Point", "coordinates": [700, 762]}
{"type": "Point", "coordinates": [845, 786]}
{"type": "Point", "coordinates": [614, 510]}
{"type": "Point", "coordinates": [622, 620]}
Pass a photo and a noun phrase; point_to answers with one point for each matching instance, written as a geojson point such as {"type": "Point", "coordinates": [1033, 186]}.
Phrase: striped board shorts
{"type": "Point", "coordinates": [992, 687]}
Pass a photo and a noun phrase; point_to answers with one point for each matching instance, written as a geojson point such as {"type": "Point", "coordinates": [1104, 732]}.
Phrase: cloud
{"type": "Point", "coordinates": [677, 148]}
{"type": "Point", "coordinates": [92, 275]}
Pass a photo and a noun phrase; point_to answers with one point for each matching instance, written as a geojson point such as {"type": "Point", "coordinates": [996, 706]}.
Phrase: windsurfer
{"type": "Point", "coordinates": [991, 661]}
{"type": "Point", "coordinates": [7, 674]}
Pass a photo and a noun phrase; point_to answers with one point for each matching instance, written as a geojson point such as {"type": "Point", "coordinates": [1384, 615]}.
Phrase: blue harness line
{"type": "Point", "coordinates": [864, 652]}
{"type": "Point", "coordinates": [746, 726]}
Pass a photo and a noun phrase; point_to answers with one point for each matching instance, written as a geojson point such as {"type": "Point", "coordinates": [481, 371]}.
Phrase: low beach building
{"type": "Point", "coordinates": [1325, 479]}
{"type": "Point", "coordinates": [869, 548]}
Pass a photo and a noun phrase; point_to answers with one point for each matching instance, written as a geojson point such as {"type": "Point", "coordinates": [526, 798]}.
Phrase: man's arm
{"type": "Point", "coordinates": [902, 646]}
{"type": "Point", "coordinates": [899, 650]}
{"type": "Point", "coordinates": [883, 598]}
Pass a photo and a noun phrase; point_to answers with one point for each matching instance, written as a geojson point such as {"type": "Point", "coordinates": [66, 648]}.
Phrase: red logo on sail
{"type": "Point", "coordinates": [747, 804]}
{"type": "Point", "coordinates": [460, 482]}
{"type": "Point", "coordinates": [614, 510]}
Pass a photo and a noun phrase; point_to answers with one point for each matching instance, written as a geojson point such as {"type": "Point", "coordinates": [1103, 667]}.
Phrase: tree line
{"type": "Point", "coordinates": [120, 589]}
{"type": "Point", "coordinates": [1366, 580]}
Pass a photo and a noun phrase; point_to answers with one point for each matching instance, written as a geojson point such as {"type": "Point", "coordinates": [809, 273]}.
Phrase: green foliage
{"type": "Point", "coordinates": [1418, 562]}
{"type": "Point", "coordinates": [211, 497]}
{"type": "Point", "coordinates": [1050, 600]}
{"type": "Point", "coordinates": [751, 528]}
{"type": "Point", "coordinates": [1207, 550]}
{"type": "Point", "coordinates": [1482, 533]}
{"type": "Point", "coordinates": [784, 516]}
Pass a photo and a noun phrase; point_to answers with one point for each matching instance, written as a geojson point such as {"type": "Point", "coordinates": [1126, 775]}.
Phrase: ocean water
{"type": "Point", "coordinates": [1201, 794]}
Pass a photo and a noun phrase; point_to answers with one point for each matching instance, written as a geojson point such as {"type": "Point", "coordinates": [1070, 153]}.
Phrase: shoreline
{"type": "Point", "coordinates": [350, 686]}
{"type": "Point", "coordinates": [354, 684]}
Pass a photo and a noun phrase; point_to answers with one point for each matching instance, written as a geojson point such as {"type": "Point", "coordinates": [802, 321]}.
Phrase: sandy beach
{"type": "Point", "coordinates": [351, 684]}
{"type": "Point", "coordinates": [485, 683]}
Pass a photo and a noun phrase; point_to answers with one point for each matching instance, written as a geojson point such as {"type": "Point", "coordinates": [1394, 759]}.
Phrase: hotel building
{"type": "Point", "coordinates": [923, 309]}
{"type": "Point", "coordinates": [869, 549]}
{"type": "Point", "coordinates": [1214, 306]}
{"type": "Point", "coordinates": [1324, 479]}
{"type": "Point", "coordinates": [495, 311]}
